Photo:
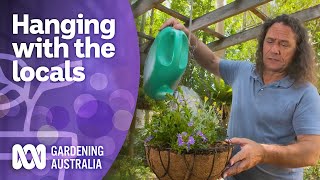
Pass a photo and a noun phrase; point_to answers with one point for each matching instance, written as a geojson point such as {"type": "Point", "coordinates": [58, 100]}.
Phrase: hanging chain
{"type": "Point", "coordinates": [192, 47]}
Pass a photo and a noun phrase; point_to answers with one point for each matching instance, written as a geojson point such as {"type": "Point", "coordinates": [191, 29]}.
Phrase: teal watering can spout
{"type": "Point", "coordinates": [165, 64]}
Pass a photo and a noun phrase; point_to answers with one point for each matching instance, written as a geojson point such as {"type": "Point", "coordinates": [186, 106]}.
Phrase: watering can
{"type": "Point", "coordinates": [166, 62]}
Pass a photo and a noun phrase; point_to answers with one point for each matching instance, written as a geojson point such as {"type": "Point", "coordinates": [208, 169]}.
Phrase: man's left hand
{"type": "Point", "coordinates": [251, 154]}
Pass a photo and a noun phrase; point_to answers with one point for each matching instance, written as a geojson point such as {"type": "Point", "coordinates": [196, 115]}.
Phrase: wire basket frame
{"type": "Point", "coordinates": [205, 164]}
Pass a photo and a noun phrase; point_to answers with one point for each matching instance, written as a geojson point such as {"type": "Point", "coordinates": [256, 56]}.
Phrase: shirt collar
{"type": "Point", "coordinates": [285, 82]}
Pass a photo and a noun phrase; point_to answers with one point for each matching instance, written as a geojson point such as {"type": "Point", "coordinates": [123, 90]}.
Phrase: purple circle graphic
{"type": "Point", "coordinates": [42, 112]}
{"type": "Point", "coordinates": [107, 143]}
{"type": "Point", "coordinates": [40, 117]}
{"type": "Point", "coordinates": [98, 81]}
{"type": "Point", "coordinates": [46, 131]}
{"type": "Point", "coordinates": [122, 119]}
{"type": "Point", "coordinates": [88, 110]}
{"type": "Point", "coordinates": [60, 117]}
{"type": "Point", "coordinates": [121, 99]}
{"type": "Point", "coordinates": [103, 116]}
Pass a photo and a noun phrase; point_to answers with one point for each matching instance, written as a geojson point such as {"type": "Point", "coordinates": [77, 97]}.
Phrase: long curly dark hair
{"type": "Point", "coordinates": [302, 68]}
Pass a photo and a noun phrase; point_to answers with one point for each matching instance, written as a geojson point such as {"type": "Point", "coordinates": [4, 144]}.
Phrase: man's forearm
{"type": "Point", "coordinates": [204, 56]}
{"type": "Point", "coordinates": [305, 152]}
{"type": "Point", "coordinates": [300, 154]}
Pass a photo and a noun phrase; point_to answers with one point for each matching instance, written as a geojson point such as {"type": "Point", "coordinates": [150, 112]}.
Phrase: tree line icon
{"type": "Point", "coordinates": [30, 101]}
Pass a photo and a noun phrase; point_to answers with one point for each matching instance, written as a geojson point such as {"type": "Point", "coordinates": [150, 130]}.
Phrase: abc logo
{"type": "Point", "coordinates": [38, 156]}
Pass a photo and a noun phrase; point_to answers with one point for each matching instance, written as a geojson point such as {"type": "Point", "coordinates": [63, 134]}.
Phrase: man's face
{"type": "Point", "coordinates": [279, 47]}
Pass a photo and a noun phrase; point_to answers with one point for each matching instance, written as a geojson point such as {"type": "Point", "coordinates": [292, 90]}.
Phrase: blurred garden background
{"type": "Point", "coordinates": [131, 162]}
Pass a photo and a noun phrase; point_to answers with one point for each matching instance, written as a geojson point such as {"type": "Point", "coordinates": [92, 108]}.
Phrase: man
{"type": "Point", "coordinates": [275, 113]}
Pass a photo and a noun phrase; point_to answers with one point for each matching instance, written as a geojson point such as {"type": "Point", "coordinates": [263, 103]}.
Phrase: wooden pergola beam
{"type": "Point", "coordinates": [171, 12]}
{"type": "Point", "coordinates": [213, 33]}
{"type": "Point", "coordinates": [185, 19]}
{"type": "Point", "coordinates": [258, 13]}
{"type": "Point", "coordinates": [142, 6]}
{"type": "Point", "coordinates": [304, 15]}
{"type": "Point", "coordinates": [145, 36]}
{"type": "Point", "coordinates": [225, 12]}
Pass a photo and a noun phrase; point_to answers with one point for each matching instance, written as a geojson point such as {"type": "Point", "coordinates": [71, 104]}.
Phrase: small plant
{"type": "Point", "coordinates": [312, 172]}
{"type": "Point", "coordinates": [182, 130]}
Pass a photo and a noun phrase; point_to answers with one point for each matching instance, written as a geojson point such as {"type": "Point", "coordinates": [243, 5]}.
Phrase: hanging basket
{"type": "Point", "coordinates": [198, 165]}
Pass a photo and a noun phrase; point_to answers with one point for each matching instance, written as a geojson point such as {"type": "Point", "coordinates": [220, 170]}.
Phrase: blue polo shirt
{"type": "Point", "coordinates": [271, 114]}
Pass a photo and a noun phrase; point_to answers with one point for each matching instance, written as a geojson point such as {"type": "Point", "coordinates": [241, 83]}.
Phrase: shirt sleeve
{"type": "Point", "coordinates": [229, 70]}
{"type": "Point", "coordinates": [306, 118]}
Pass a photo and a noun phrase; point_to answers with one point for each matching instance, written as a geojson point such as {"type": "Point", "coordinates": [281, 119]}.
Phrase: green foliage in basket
{"type": "Point", "coordinates": [179, 128]}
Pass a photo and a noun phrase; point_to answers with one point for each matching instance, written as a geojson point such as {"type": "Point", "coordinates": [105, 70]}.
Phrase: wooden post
{"type": "Point", "coordinates": [131, 136]}
{"type": "Point", "coordinates": [220, 27]}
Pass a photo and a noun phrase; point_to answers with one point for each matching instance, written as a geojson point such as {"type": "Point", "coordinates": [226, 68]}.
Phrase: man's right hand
{"type": "Point", "coordinates": [203, 55]}
{"type": "Point", "coordinates": [175, 24]}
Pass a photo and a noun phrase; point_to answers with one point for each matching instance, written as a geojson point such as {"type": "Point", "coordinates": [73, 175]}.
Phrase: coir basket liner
{"type": "Point", "coordinates": [196, 165]}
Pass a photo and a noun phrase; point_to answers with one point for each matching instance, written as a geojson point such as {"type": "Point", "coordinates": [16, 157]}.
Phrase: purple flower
{"type": "Point", "coordinates": [148, 139]}
{"type": "Point", "coordinates": [204, 139]}
{"type": "Point", "coordinates": [199, 133]}
{"type": "Point", "coordinates": [190, 123]}
{"type": "Point", "coordinates": [184, 134]}
{"type": "Point", "coordinates": [191, 140]}
{"type": "Point", "coordinates": [180, 140]}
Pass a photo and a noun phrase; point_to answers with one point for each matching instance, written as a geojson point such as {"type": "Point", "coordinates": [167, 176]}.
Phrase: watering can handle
{"type": "Point", "coordinates": [176, 48]}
